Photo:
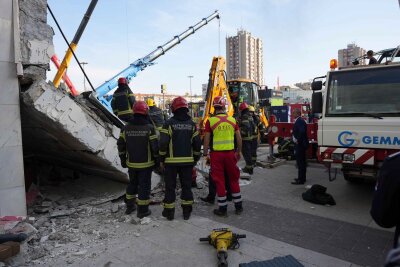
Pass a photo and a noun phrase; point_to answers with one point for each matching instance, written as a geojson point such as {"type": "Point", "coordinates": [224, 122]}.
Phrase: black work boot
{"type": "Point", "coordinates": [187, 210]}
{"type": "Point", "coordinates": [221, 211]}
{"type": "Point", "coordinates": [238, 208]}
{"type": "Point", "coordinates": [130, 206]}
{"type": "Point", "coordinates": [248, 170]}
{"type": "Point", "coordinates": [143, 211]}
{"type": "Point", "coordinates": [168, 213]}
{"type": "Point", "coordinates": [208, 199]}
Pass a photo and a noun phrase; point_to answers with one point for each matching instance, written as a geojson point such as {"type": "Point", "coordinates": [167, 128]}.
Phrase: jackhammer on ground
{"type": "Point", "coordinates": [223, 239]}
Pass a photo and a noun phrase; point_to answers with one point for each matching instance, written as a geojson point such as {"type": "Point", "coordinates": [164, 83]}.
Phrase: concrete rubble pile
{"type": "Point", "coordinates": [57, 128]}
{"type": "Point", "coordinates": [75, 229]}
{"type": "Point", "coordinates": [74, 221]}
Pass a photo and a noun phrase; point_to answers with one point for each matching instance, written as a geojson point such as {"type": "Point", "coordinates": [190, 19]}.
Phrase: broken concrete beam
{"type": "Point", "coordinates": [59, 129]}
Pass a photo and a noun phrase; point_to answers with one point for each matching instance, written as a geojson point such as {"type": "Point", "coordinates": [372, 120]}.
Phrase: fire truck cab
{"type": "Point", "coordinates": [359, 117]}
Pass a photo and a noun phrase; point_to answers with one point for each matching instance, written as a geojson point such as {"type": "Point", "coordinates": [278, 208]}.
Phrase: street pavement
{"type": "Point", "coordinates": [176, 243]}
{"type": "Point", "coordinates": [276, 220]}
{"type": "Point", "coordinates": [274, 208]}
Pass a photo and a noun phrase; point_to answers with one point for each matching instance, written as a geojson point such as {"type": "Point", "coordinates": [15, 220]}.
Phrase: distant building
{"type": "Point", "coordinates": [244, 57]}
{"type": "Point", "coordinates": [159, 99]}
{"type": "Point", "coordinates": [347, 55]}
{"type": "Point", "coordinates": [304, 85]}
{"type": "Point", "coordinates": [296, 95]}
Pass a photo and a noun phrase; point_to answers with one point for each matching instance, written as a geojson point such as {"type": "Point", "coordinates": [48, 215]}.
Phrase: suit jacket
{"type": "Point", "coordinates": [300, 133]}
{"type": "Point", "coordinates": [386, 202]}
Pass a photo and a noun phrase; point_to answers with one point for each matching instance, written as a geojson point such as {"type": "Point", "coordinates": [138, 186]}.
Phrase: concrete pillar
{"type": "Point", "coordinates": [12, 184]}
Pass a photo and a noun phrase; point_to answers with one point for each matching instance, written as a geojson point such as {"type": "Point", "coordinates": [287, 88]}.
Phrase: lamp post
{"type": "Point", "coordinates": [84, 79]}
{"type": "Point", "coordinates": [191, 99]}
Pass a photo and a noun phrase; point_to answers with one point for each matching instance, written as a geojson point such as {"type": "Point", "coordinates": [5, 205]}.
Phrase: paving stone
{"type": "Point", "coordinates": [334, 238]}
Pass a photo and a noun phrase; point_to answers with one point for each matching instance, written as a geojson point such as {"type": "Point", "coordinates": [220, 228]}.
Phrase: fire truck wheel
{"type": "Point", "coordinates": [352, 179]}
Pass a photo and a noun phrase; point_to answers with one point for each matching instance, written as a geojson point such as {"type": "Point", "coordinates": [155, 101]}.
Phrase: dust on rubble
{"type": "Point", "coordinates": [67, 224]}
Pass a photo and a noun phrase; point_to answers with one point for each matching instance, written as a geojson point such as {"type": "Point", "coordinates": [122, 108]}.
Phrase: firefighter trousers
{"type": "Point", "coordinates": [185, 178]}
{"type": "Point", "coordinates": [254, 146]}
{"type": "Point", "coordinates": [225, 162]}
{"type": "Point", "coordinates": [139, 183]}
{"type": "Point", "coordinates": [247, 153]}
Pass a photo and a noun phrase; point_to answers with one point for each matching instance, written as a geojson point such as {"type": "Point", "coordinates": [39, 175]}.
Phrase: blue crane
{"type": "Point", "coordinates": [101, 92]}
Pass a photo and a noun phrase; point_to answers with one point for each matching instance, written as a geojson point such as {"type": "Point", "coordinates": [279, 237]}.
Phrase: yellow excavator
{"type": "Point", "coordinates": [235, 91]}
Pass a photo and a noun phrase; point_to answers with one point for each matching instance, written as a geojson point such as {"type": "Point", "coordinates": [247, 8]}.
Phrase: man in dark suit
{"type": "Point", "coordinates": [301, 144]}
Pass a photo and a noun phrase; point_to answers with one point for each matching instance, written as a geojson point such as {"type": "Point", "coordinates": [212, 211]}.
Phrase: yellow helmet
{"type": "Point", "coordinates": [150, 102]}
{"type": "Point", "coordinates": [251, 108]}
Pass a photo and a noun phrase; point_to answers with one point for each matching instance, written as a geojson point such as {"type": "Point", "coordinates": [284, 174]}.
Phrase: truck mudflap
{"type": "Point", "coordinates": [346, 155]}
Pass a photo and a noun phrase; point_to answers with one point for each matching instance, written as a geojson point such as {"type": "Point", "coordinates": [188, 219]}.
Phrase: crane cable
{"type": "Point", "coordinates": [219, 36]}
{"type": "Point", "coordinates": [127, 30]}
{"type": "Point", "coordinates": [69, 46]}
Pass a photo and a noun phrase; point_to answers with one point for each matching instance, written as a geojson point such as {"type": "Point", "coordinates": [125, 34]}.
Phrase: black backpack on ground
{"type": "Point", "coordinates": [317, 195]}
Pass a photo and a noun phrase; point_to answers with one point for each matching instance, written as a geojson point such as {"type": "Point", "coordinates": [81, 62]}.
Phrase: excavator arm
{"type": "Point", "coordinates": [216, 87]}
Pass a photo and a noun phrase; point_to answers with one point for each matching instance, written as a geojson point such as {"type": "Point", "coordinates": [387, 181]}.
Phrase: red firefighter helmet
{"type": "Point", "coordinates": [243, 106]}
{"type": "Point", "coordinates": [122, 80]}
{"type": "Point", "coordinates": [179, 102]}
{"type": "Point", "coordinates": [140, 107]}
{"type": "Point", "coordinates": [219, 102]}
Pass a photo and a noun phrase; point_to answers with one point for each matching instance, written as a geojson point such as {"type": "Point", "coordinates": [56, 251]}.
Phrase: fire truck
{"type": "Point", "coordinates": [355, 117]}
{"type": "Point", "coordinates": [359, 115]}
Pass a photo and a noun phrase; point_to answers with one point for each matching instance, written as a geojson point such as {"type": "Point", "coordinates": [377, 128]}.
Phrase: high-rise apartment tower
{"type": "Point", "coordinates": [244, 57]}
{"type": "Point", "coordinates": [347, 55]}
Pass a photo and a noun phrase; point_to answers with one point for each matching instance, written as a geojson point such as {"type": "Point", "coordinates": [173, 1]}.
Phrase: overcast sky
{"type": "Point", "coordinates": [299, 36]}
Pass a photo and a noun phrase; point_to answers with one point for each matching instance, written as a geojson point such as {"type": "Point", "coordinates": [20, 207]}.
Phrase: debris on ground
{"type": "Point", "coordinates": [80, 219]}
{"type": "Point", "coordinates": [145, 220]}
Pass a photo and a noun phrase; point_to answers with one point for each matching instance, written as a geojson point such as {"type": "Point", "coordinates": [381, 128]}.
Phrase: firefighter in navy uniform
{"type": "Point", "coordinates": [156, 114]}
{"type": "Point", "coordinates": [138, 151]}
{"type": "Point", "coordinates": [180, 146]}
{"type": "Point", "coordinates": [246, 125]}
{"type": "Point", "coordinates": [255, 137]}
{"type": "Point", "coordinates": [123, 100]}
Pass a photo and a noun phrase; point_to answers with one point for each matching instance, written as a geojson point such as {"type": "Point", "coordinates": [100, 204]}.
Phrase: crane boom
{"type": "Point", "coordinates": [146, 61]}
{"type": "Point", "coordinates": [73, 45]}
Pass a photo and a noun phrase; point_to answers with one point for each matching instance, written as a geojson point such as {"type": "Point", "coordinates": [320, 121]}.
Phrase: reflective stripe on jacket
{"type": "Point", "coordinates": [138, 146]}
{"type": "Point", "coordinates": [247, 127]}
{"type": "Point", "coordinates": [180, 143]}
{"type": "Point", "coordinates": [122, 101]}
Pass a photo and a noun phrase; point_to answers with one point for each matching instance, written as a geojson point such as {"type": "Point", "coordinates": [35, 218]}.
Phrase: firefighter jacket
{"type": "Point", "coordinates": [180, 143]}
{"type": "Point", "coordinates": [257, 125]}
{"type": "Point", "coordinates": [138, 144]}
{"type": "Point", "coordinates": [156, 116]}
{"type": "Point", "coordinates": [222, 128]}
{"type": "Point", "coordinates": [247, 126]}
{"type": "Point", "coordinates": [122, 101]}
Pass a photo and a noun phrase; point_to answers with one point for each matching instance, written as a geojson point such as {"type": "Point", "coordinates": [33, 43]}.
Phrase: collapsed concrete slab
{"type": "Point", "coordinates": [59, 129]}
